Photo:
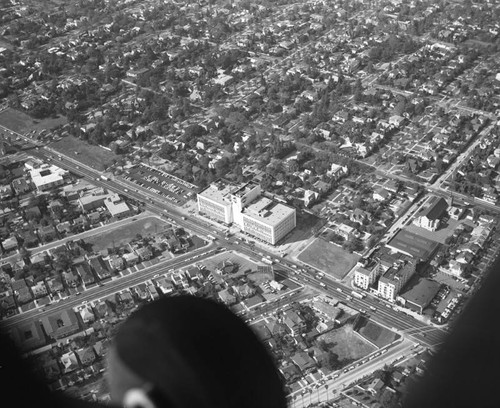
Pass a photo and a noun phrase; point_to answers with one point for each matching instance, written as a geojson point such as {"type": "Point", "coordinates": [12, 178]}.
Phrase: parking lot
{"type": "Point", "coordinates": [173, 189]}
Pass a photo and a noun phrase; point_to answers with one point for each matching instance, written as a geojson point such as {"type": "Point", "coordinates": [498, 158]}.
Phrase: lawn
{"type": "Point", "coordinates": [329, 258]}
{"type": "Point", "coordinates": [124, 234]}
{"type": "Point", "coordinates": [347, 344]}
{"type": "Point", "coordinates": [91, 155]}
{"type": "Point", "coordinates": [244, 264]}
{"type": "Point", "coordinates": [378, 335]}
{"type": "Point", "coordinates": [21, 122]}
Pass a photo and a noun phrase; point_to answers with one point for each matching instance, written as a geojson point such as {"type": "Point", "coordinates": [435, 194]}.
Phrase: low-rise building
{"type": "Point", "coordinates": [47, 177]}
{"type": "Point", "coordinates": [431, 217]}
{"type": "Point", "coordinates": [61, 324]}
{"type": "Point", "coordinates": [117, 206]}
{"type": "Point", "coordinates": [419, 295]}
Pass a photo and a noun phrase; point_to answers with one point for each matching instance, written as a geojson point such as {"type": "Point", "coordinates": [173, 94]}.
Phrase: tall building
{"type": "Point", "coordinates": [268, 220]}
{"type": "Point", "coordinates": [394, 278]}
{"type": "Point", "coordinates": [364, 278]}
{"type": "Point", "coordinates": [215, 202]}
{"type": "Point", "coordinates": [243, 205]}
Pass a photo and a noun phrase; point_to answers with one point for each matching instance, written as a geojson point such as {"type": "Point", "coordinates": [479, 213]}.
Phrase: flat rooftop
{"type": "Point", "coordinates": [217, 192]}
{"type": "Point", "coordinates": [267, 211]}
{"type": "Point", "coordinates": [240, 191]}
{"type": "Point", "coordinates": [421, 292]}
{"type": "Point", "coordinates": [413, 244]}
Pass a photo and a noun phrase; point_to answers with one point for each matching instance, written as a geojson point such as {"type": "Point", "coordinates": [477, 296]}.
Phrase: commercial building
{"type": "Point", "coordinates": [414, 245]}
{"type": "Point", "coordinates": [215, 202]}
{"type": "Point", "coordinates": [243, 205]}
{"type": "Point", "coordinates": [268, 221]}
{"type": "Point", "coordinates": [47, 177]}
{"type": "Point", "coordinates": [117, 206]}
{"type": "Point", "coordinates": [419, 296]}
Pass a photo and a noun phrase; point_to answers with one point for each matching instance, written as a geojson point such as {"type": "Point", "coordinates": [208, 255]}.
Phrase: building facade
{"type": "Point", "coordinates": [243, 205]}
{"type": "Point", "coordinates": [394, 279]}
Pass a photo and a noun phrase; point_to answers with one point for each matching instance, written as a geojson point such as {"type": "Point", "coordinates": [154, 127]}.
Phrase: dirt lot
{"type": "Point", "coordinates": [377, 334]}
{"type": "Point", "coordinates": [91, 155]}
{"type": "Point", "coordinates": [329, 258]}
{"type": "Point", "coordinates": [21, 122]}
{"type": "Point", "coordinates": [123, 235]}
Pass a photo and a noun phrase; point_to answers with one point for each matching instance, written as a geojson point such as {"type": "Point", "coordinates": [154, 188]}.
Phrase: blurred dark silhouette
{"type": "Point", "coordinates": [176, 352]}
{"type": "Point", "coordinates": [188, 352]}
{"type": "Point", "coordinates": [465, 372]}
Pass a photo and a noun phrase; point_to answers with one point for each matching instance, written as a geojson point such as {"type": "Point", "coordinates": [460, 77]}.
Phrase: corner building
{"type": "Point", "coordinates": [258, 216]}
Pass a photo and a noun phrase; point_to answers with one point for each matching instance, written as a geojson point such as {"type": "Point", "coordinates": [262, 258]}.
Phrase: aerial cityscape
{"type": "Point", "coordinates": [327, 169]}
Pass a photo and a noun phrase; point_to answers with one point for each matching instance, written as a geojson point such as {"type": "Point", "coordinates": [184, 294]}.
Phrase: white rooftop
{"type": "Point", "coordinates": [268, 212]}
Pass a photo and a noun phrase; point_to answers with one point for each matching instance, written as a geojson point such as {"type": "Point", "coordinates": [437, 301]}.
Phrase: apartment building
{"type": "Point", "coordinates": [394, 279]}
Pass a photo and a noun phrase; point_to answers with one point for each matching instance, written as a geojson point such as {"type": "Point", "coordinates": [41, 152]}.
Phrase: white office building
{"type": "Point", "coordinates": [243, 205]}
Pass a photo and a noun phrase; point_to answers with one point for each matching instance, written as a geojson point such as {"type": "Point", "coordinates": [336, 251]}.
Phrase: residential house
{"type": "Point", "coordinates": [304, 362]}
{"type": "Point", "coordinates": [381, 194]}
{"type": "Point", "coordinates": [290, 372]}
{"type": "Point", "coordinates": [7, 304]}
{"type": "Point", "coordinates": [165, 285]}
{"type": "Point", "coordinates": [227, 297]}
{"type": "Point", "coordinates": [85, 273]}
{"type": "Point", "coordinates": [10, 244]}
{"type": "Point", "coordinates": [39, 289]}
{"type": "Point", "coordinates": [55, 284]}
{"type": "Point", "coordinates": [69, 362]}
{"type": "Point", "coordinates": [21, 186]}
{"type": "Point", "coordinates": [86, 314]}
{"type": "Point", "coordinates": [142, 292]}
{"type": "Point", "coordinates": [21, 291]}
{"type": "Point", "coordinates": [244, 291]}
{"type": "Point", "coordinates": [144, 253]}
{"type": "Point", "coordinates": [63, 228]}
{"type": "Point", "coordinates": [47, 233]}
{"type": "Point", "coordinates": [99, 268]}
{"type": "Point", "coordinates": [344, 230]}
{"type": "Point", "coordinates": [115, 263]}
{"type": "Point", "coordinates": [126, 299]}
{"type": "Point", "coordinates": [293, 322]}
{"type": "Point", "coordinates": [131, 259]}
{"type": "Point", "coordinates": [71, 279]}
{"type": "Point", "coordinates": [86, 356]}
{"type": "Point", "coordinates": [375, 386]}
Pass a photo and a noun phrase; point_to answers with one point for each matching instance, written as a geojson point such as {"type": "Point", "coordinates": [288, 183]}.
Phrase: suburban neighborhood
{"type": "Point", "coordinates": [328, 170]}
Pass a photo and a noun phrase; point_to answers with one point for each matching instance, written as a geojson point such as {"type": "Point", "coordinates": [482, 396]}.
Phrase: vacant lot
{"type": "Point", "coordinates": [123, 235]}
{"type": "Point", "coordinates": [307, 224]}
{"type": "Point", "coordinates": [329, 258]}
{"type": "Point", "coordinates": [21, 122]}
{"type": "Point", "coordinates": [347, 344]}
{"type": "Point", "coordinates": [377, 334]}
{"type": "Point", "coordinates": [91, 155]}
